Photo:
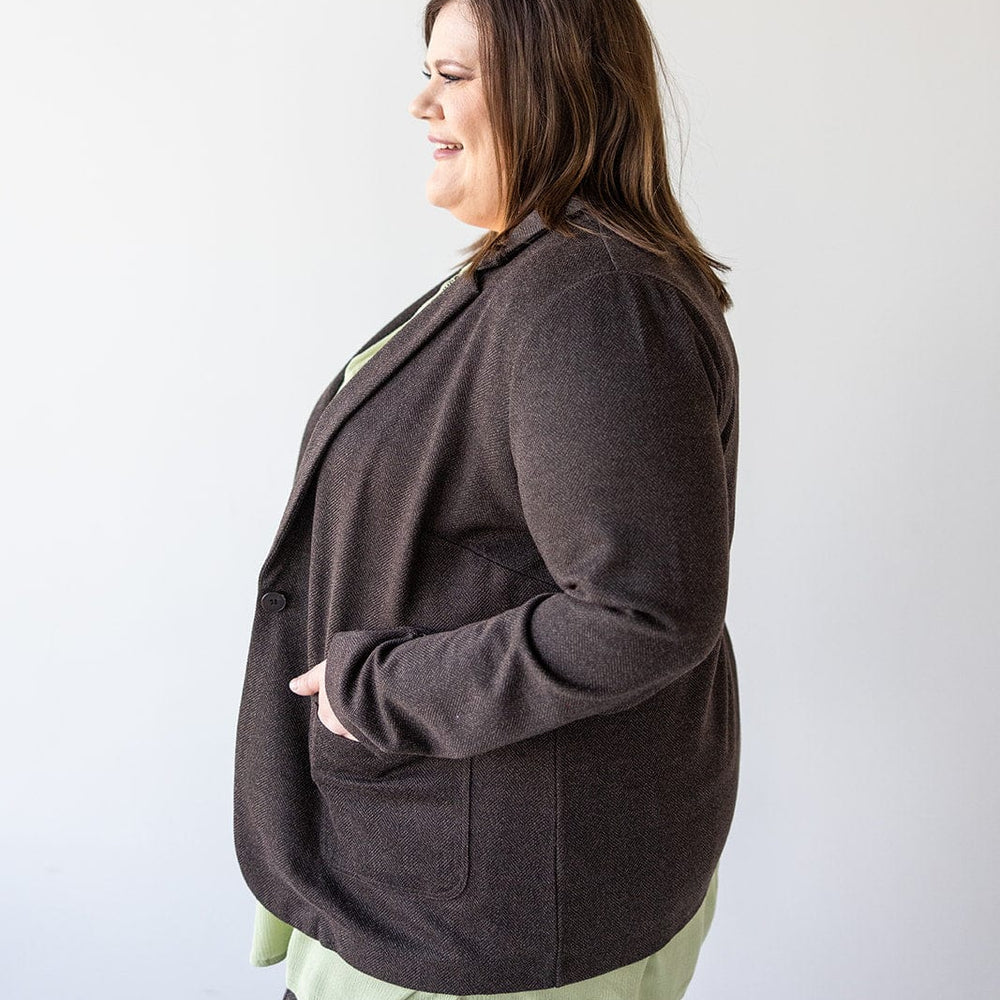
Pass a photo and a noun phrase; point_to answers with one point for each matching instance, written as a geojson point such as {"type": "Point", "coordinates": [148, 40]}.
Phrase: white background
{"type": "Point", "coordinates": [206, 207]}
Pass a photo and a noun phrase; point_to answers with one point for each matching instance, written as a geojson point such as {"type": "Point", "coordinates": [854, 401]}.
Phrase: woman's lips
{"type": "Point", "coordinates": [445, 154]}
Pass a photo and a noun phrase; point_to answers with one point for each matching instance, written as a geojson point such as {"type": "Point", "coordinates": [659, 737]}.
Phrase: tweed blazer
{"type": "Point", "coordinates": [508, 536]}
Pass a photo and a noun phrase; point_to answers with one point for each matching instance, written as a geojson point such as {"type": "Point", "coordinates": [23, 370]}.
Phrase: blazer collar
{"type": "Point", "coordinates": [375, 372]}
{"type": "Point", "coordinates": [524, 232]}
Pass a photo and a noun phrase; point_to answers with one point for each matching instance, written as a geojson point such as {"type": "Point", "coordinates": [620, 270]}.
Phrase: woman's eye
{"type": "Point", "coordinates": [448, 77]}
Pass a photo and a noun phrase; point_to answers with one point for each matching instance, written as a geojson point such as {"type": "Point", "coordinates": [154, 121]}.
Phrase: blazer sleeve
{"type": "Point", "coordinates": [615, 437]}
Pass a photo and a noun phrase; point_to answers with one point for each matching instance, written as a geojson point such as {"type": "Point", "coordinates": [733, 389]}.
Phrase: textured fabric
{"type": "Point", "coordinates": [319, 974]}
{"type": "Point", "coordinates": [316, 973]}
{"type": "Point", "coordinates": [521, 605]}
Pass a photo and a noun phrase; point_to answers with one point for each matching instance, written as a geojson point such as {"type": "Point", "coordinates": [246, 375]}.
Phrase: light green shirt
{"type": "Point", "coordinates": [314, 972]}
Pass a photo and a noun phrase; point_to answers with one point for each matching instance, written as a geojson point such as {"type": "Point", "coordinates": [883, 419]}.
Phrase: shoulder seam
{"type": "Point", "coordinates": [616, 273]}
{"type": "Point", "coordinates": [555, 296]}
{"type": "Point", "coordinates": [602, 229]}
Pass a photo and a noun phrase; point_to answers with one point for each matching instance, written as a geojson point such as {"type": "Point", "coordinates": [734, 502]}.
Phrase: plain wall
{"type": "Point", "coordinates": [205, 208]}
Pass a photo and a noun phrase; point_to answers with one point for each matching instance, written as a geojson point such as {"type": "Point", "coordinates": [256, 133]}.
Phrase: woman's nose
{"type": "Point", "coordinates": [420, 105]}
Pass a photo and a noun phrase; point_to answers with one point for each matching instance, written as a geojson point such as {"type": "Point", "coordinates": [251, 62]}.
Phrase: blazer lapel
{"type": "Point", "coordinates": [417, 331]}
{"type": "Point", "coordinates": [370, 377]}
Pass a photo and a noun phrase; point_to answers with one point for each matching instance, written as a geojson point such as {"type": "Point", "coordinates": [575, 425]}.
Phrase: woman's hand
{"type": "Point", "coordinates": [311, 683]}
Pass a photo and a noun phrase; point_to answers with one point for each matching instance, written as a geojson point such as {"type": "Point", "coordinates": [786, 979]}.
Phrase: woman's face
{"type": "Point", "coordinates": [465, 181]}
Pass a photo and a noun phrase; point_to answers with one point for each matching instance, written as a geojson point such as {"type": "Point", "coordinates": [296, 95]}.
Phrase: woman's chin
{"type": "Point", "coordinates": [440, 196]}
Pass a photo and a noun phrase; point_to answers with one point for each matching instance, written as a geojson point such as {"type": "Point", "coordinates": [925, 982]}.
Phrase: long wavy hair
{"type": "Point", "coordinates": [572, 92]}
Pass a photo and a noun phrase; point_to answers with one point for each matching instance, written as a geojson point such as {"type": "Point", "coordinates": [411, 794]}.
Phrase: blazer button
{"type": "Point", "coordinates": [273, 601]}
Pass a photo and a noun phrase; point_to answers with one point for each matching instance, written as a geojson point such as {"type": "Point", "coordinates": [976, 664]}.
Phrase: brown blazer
{"type": "Point", "coordinates": [509, 538]}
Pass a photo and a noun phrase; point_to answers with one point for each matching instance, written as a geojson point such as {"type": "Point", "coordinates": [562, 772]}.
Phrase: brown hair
{"type": "Point", "coordinates": [574, 104]}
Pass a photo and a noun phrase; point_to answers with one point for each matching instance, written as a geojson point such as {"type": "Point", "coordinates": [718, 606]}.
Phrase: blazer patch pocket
{"type": "Point", "coordinates": [399, 820]}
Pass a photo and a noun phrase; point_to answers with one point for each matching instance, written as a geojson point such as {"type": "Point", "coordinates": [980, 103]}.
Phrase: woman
{"type": "Point", "coordinates": [508, 759]}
